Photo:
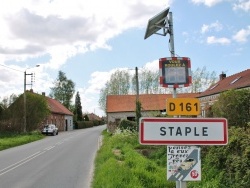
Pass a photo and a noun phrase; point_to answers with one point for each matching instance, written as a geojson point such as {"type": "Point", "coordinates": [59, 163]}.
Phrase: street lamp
{"type": "Point", "coordinates": [24, 100]}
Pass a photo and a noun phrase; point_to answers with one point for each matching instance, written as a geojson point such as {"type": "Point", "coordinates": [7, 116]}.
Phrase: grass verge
{"type": "Point", "coordinates": [119, 163]}
{"type": "Point", "coordinates": [8, 140]}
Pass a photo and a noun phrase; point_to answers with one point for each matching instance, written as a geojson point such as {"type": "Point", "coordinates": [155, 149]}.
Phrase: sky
{"type": "Point", "coordinates": [89, 40]}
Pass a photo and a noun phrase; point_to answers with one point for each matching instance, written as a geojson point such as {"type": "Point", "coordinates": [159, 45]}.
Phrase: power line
{"type": "Point", "coordinates": [10, 68]}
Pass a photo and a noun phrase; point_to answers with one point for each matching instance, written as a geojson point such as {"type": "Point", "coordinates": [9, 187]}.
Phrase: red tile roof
{"type": "Point", "coordinates": [126, 103]}
{"type": "Point", "coordinates": [57, 108]}
{"type": "Point", "coordinates": [236, 81]}
{"type": "Point", "coordinates": [93, 116]}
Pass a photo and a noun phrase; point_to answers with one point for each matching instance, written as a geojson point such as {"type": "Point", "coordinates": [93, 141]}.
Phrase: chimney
{"type": "Point", "coordinates": [43, 93]}
{"type": "Point", "coordinates": [222, 76]}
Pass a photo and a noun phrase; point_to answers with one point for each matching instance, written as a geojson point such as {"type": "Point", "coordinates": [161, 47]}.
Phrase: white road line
{"type": "Point", "coordinates": [14, 166]}
{"type": "Point", "coordinates": [59, 143]}
{"type": "Point", "coordinates": [20, 161]}
{"type": "Point", "coordinates": [49, 148]}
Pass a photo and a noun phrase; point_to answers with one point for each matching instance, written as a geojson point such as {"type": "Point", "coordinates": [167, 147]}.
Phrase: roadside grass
{"type": "Point", "coordinates": [9, 140]}
{"type": "Point", "coordinates": [120, 163]}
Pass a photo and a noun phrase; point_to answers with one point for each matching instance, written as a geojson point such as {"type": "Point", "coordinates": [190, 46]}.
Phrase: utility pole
{"type": "Point", "coordinates": [137, 102]}
{"type": "Point", "coordinates": [24, 100]}
{"type": "Point", "coordinates": [25, 103]}
{"type": "Point", "coordinates": [137, 84]}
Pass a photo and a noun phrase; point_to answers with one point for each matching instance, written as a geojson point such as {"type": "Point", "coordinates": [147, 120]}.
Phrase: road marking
{"type": "Point", "coordinates": [27, 159]}
{"type": "Point", "coordinates": [49, 148]}
{"type": "Point", "coordinates": [19, 163]}
{"type": "Point", "coordinates": [59, 143]}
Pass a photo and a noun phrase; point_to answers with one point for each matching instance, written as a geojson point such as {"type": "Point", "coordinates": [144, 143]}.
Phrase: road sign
{"type": "Point", "coordinates": [183, 106]}
{"type": "Point", "coordinates": [183, 131]}
{"type": "Point", "coordinates": [183, 163]}
{"type": "Point", "coordinates": [175, 72]}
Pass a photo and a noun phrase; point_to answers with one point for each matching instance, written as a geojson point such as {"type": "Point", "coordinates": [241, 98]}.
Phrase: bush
{"type": "Point", "coordinates": [127, 125]}
{"type": "Point", "coordinates": [84, 124]}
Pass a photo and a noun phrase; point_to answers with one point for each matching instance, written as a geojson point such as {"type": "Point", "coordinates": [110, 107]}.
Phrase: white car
{"type": "Point", "coordinates": [50, 129]}
{"type": "Point", "coordinates": [187, 164]}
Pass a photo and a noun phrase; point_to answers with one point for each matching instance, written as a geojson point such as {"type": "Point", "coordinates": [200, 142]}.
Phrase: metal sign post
{"type": "Point", "coordinates": [179, 184]}
{"type": "Point", "coordinates": [179, 134]}
{"type": "Point", "coordinates": [158, 22]}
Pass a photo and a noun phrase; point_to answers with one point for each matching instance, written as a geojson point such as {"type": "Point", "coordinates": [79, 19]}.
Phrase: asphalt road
{"type": "Point", "coordinates": [62, 161]}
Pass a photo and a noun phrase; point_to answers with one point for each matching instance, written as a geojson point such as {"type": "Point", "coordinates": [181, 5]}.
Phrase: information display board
{"type": "Point", "coordinates": [175, 72]}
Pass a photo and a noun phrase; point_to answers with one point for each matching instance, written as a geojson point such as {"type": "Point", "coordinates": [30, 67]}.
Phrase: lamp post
{"type": "Point", "coordinates": [24, 100]}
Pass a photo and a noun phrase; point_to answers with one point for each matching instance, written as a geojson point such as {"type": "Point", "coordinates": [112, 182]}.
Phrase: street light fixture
{"type": "Point", "coordinates": [24, 100]}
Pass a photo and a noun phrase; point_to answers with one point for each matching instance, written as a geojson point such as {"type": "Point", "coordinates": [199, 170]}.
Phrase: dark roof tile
{"type": "Point", "coordinates": [236, 81]}
{"type": "Point", "coordinates": [56, 107]}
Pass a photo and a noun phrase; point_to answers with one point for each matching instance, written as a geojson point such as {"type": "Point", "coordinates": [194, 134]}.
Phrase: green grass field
{"type": "Point", "coordinates": [8, 140]}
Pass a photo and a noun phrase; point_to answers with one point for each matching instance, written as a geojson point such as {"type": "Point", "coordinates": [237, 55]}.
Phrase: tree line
{"type": "Point", "coordinates": [122, 82]}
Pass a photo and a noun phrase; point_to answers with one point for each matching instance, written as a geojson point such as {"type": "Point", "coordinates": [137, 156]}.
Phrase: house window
{"type": "Point", "coordinates": [213, 86]}
{"type": "Point", "coordinates": [131, 118]}
{"type": "Point", "coordinates": [235, 80]}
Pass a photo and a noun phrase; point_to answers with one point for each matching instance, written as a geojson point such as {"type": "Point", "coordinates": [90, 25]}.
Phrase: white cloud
{"type": "Point", "coordinates": [60, 30]}
{"type": "Point", "coordinates": [208, 3]}
{"type": "Point", "coordinates": [214, 40]}
{"type": "Point", "coordinates": [242, 35]}
{"type": "Point", "coordinates": [33, 27]}
{"type": "Point", "coordinates": [153, 66]}
{"type": "Point", "coordinates": [216, 26]}
{"type": "Point", "coordinates": [242, 5]}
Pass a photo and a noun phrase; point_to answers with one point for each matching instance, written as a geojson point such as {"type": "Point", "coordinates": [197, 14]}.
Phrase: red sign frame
{"type": "Point", "coordinates": [145, 141]}
{"type": "Point", "coordinates": [182, 64]}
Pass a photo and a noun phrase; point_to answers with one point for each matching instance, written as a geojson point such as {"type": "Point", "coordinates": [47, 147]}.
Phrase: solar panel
{"type": "Point", "coordinates": [156, 23]}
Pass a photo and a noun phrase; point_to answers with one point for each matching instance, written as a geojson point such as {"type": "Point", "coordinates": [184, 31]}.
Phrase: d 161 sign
{"type": "Point", "coordinates": [183, 106]}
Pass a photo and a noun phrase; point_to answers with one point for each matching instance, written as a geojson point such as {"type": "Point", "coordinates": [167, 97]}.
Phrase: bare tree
{"type": "Point", "coordinates": [201, 80]}
{"type": "Point", "coordinates": [119, 84]}
{"type": "Point", "coordinates": [123, 83]}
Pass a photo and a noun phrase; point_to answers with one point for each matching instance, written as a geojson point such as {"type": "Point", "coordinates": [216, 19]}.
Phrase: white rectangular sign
{"type": "Point", "coordinates": [183, 131]}
{"type": "Point", "coordinates": [183, 163]}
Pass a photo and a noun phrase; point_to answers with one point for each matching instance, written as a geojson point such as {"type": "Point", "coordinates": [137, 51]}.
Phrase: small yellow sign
{"type": "Point", "coordinates": [183, 106]}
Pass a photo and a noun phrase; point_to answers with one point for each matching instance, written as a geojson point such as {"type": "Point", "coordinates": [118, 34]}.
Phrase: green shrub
{"type": "Point", "coordinates": [84, 124]}
{"type": "Point", "coordinates": [127, 125]}
{"type": "Point", "coordinates": [96, 122]}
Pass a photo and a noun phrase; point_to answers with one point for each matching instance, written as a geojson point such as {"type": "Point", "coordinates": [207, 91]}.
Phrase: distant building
{"type": "Point", "coordinates": [60, 115]}
{"type": "Point", "coordinates": [123, 106]}
{"type": "Point", "coordinates": [239, 80]}
{"type": "Point", "coordinates": [93, 117]}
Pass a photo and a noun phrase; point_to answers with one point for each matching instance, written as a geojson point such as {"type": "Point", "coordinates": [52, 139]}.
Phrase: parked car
{"type": "Point", "coordinates": [50, 129]}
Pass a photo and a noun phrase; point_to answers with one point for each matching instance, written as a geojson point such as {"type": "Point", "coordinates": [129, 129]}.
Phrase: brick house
{"type": "Point", "coordinates": [93, 117]}
{"type": "Point", "coordinates": [239, 80]}
{"type": "Point", "coordinates": [123, 106]}
{"type": "Point", "coordinates": [60, 115]}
